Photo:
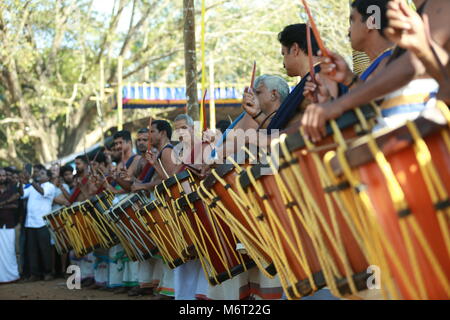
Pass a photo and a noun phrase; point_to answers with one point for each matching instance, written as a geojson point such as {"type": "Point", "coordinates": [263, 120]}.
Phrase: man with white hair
{"type": "Point", "coordinates": [270, 91]}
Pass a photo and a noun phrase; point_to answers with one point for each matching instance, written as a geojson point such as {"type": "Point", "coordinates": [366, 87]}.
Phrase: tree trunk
{"type": "Point", "coordinates": [190, 60]}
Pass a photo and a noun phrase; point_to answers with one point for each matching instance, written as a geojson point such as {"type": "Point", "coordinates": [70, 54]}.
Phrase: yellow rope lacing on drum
{"type": "Point", "coordinates": [201, 244]}
{"type": "Point", "coordinates": [155, 234]}
{"type": "Point", "coordinates": [175, 220]}
{"type": "Point", "coordinates": [63, 231]}
{"type": "Point", "coordinates": [113, 220]}
{"type": "Point", "coordinates": [260, 230]}
{"type": "Point", "coordinates": [281, 260]}
{"type": "Point", "coordinates": [199, 240]}
{"type": "Point", "coordinates": [221, 211]}
{"type": "Point", "coordinates": [53, 233]}
{"type": "Point", "coordinates": [337, 238]}
{"type": "Point", "coordinates": [118, 232]}
{"type": "Point", "coordinates": [400, 204]}
{"type": "Point", "coordinates": [58, 233]}
{"type": "Point", "coordinates": [77, 242]}
{"type": "Point", "coordinates": [304, 211]}
{"type": "Point", "coordinates": [167, 216]}
{"type": "Point", "coordinates": [181, 218]}
{"type": "Point", "coordinates": [375, 235]}
{"type": "Point", "coordinates": [66, 223]}
{"type": "Point", "coordinates": [78, 234]}
{"type": "Point", "coordinates": [236, 227]}
{"type": "Point", "coordinates": [215, 215]}
{"type": "Point", "coordinates": [235, 198]}
{"type": "Point", "coordinates": [93, 226]}
{"type": "Point", "coordinates": [354, 205]}
{"type": "Point", "coordinates": [103, 223]}
{"type": "Point", "coordinates": [437, 193]}
{"type": "Point", "coordinates": [169, 235]}
{"type": "Point", "coordinates": [287, 200]}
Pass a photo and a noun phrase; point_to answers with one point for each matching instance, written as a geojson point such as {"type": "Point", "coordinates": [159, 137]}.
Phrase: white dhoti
{"type": "Point", "coordinates": [116, 266]}
{"type": "Point", "coordinates": [185, 280]}
{"type": "Point", "coordinates": [227, 290]}
{"type": "Point", "coordinates": [9, 270]}
{"type": "Point", "coordinates": [130, 274]}
{"type": "Point", "coordinates": [166, 285]}
{"type": "Point", "coordinates": [101, 267]}
{"type": "Point", "coordinates": [87, 266]}
{"type": "Point", "coordinates": [262, 287]}
{"type": "Point", "coordinates": [149, 273]}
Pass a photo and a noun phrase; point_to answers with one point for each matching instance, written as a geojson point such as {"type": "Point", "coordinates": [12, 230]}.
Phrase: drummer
{"type": "Point", "coordinates": [408, 31]}
{"type": "Point", "coordinates": [142, 140]}
{"type": "Point", "coordinates": [295, 60]}
{"type": "Point", "coordinates": [99, 183]}
{"type": "Point", "coordinates": [153, 273]}
{"type": "Point", "coordinates": [80, 193]}
{"type": "Point", "coordinates": [123, 272]}
{"type": "Point", "coordinates": [161, 153]}
{"type": "Point", "coordinates": [189, 279]}
{"type": "Point", "coordinates": [149, 271]}
{"type": "Point", "coordinates": [270, 91]}
{"type": "Point", "coordinates": [363, 38]}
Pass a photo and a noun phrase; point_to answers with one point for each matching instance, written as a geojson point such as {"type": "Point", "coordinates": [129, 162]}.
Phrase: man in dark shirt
{"type": "Point", "coordinates": [8, 205]}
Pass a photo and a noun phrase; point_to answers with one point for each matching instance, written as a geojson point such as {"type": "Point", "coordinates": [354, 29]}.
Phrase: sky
{"type": "Point", "coordinates": [106, 6]}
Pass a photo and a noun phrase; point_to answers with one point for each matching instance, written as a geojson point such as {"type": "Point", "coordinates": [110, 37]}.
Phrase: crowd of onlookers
{"type": "Point", "coordinates": [27, 251]}
{"type": "Point", "coordinates": [24, 196]}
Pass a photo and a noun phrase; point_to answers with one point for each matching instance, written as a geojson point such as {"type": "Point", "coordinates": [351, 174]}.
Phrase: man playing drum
{"type": "Point", "coordinates": [410, 90]}
{"type": "Point", "coordinates": [161, 166]}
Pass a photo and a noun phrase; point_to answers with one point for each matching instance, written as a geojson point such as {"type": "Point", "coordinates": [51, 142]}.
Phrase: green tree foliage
{"type": "Point", "coordinates": [50, 53]}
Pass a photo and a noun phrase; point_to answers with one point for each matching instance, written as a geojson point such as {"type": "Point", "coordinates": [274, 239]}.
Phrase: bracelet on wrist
{"type": "Point", "coordinates": [259, 113]}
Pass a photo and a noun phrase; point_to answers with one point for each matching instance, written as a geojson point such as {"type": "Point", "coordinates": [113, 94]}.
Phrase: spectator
{"type": "Point", "coordinates": [9, 196]}
{"type": "Point", "coordinates": [40, 197]}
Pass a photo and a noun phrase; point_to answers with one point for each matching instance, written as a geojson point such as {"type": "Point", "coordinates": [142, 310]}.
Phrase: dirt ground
{"type": "Point", "coordinates": [57, 290]}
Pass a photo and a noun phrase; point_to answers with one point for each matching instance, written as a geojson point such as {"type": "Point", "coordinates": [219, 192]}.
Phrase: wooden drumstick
{"type": "Point", "coordinates": [149, 146]}
{"type": "Point", "coordinates": [315, 30]}
{"type": "Point", "coordinates": [252, 82]}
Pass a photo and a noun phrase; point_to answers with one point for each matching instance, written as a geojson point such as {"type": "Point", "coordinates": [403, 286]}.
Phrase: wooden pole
{"type": "Point", "coordinates": [212, 103]}
{"type": "Point", "coordinates": [119, 94]}
{"type": "Point", "coordinates": [102, 97]}
{"type": "Point", "coordinates": [203, 107]}
{"type": "Point", "coordinates": [190, 59]}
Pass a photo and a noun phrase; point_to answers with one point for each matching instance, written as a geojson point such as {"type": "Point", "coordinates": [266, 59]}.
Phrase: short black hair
{"type": "Point", "coordinates": [39, 167]}
{"type": "Point", "coordinates": [9, 169]}
{"type": "Point", "coordinates": [296, 33]}
{"type": "Point", "coordinates": [98, 157]}
{"type": "Point", "coordinates": [64, 169]}
{"type": "Point", "coordinates": [143, 130]}
{"type": "Point", "coordinates": [163, 125]}
{"type": "Point", "coordinates": [83, 158]}
{"type": "Point", "coordinates": [362, 6]}
{"type": "Point", "coordinates": [124, 134]}
{"type": "Point", "coordinates": [49, 173]}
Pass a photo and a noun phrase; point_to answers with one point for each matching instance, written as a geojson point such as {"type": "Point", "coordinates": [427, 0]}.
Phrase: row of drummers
{"type": "Point", "coordinates": [356, 212]}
